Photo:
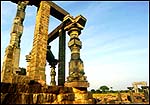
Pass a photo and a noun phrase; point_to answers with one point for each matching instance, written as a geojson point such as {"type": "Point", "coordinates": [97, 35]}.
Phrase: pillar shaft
{"type": "Point", "coordinates": [38, 54]}
{"type": "Point", "coordinates": [119, 97]}
{"type": "Point", "coordinates": [53, 74]}
{"type": "Point", "coordinates": [12, 52]}
{"type": "Point", "coordinates": [146, 95]}
{"type": "Point", "coordinates": [61, 64]}
{"type": "Point", "coordinates": [131, 95]}
{"type": "Point", "coordinates": [28, 59]}
{"type": "Point", "coordinates": [76, 67]}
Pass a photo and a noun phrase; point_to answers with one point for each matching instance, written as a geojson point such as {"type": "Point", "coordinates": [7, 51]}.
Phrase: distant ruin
{"type": "Point", "coordinates": [135, 85]}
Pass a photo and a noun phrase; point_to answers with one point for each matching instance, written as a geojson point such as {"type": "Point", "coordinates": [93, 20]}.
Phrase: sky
{"type": "Point", "coordinates": [115, 41]}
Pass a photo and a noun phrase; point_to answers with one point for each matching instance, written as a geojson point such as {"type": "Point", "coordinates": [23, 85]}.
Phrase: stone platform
{"type": "Point", "coordinates": [35, 93]}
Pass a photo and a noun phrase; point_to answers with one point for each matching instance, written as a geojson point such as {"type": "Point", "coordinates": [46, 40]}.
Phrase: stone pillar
{"type": "Point", "coordinates": [53, 74]}
{"type": "Point", "coordinates": [52, 62]}
{"type": "Point", "coordinates": [39, 49]}
{"type": "Point", "coordinates": [119, 97]}
{"type": "Point", "coordinates": [146, 92]}
{"type": "Point", "coordinates": [131, 94]}
{"type": "Point", "coordinates": [12, 52]}
{"type": "Point", "coordinates": [76, 76]}
{"type": "Point", "coordinates": [136, 89]}
{"type": "Point", "coordinates": [28, 59]}
{"type": "Point", "coordinates": [61, 64]}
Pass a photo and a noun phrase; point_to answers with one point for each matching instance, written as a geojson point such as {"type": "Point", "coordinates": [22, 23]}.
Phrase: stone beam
{"type": "Point", "coordinates": [55, 33]}
{"type": "Point", "coordinates": [55, 11]}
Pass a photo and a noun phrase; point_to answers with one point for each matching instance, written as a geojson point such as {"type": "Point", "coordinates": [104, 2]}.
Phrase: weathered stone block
{"type": "Point", "coordinates": [82, 102]}
{"type": "Point", "coordinates": [39, 99]}
{"type": "Point", "coordinates": [77, 84]}
{"type": "Point", "coordinates": [70, 96]}
{"type": "Point", "coordinates": [79, 96]}
{"type": "Point", "coordinates": [35, 88]}
{"type": "Point", "coordinates": [35, 98]}
{"type": "Point", "coordinates": [64, 89]}
{"type": "Point", "coordinates": [11, 98]}
{"type": "Point", "coordinates": [53, 89]}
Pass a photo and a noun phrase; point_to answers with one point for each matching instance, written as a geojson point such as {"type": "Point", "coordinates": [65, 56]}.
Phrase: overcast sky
{"type": "Point", "coordinates": [114, 40]}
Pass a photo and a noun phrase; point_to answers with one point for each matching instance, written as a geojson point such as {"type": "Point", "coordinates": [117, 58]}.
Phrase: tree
{"type": "Point", "coordinates": [98, 91]}
{"type": "Point", "coordinates": [104, 88]}
{"type": "Point", "coordinates": [111, 88]}
{"type": "Point", "coordinates": [92, 90]}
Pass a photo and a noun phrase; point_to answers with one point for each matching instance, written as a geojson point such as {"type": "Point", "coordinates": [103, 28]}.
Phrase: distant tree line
{"type": "Point", "coordinates": [106, 89]}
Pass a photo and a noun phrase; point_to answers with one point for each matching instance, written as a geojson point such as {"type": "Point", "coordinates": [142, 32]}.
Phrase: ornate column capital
{"type": "Point", "coordinates": [74, 24]}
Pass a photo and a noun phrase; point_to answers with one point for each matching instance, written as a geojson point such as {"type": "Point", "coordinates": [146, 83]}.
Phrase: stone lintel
{"type": "Point", "coordinates": [55, 33]}
{"type": "Point", "coordinates": [55, 11]}
{"type": "Point", "coordinates": [77, 84]}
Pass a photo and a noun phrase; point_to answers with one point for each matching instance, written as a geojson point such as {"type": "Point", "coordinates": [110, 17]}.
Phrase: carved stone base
{"type": "Point", "coordinates": [77, 84]}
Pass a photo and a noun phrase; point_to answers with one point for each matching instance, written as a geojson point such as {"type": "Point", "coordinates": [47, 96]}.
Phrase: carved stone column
{"type": "Point", "coordinates": [39, 49]}
{"type": "Point", "coordinates": [52, 62]}
{"type": "Point", "coordinates": [12, 52]}
{"type": "Point", "coordinates": [53, 74]}
{"type": "Point", "coordinates": [76, 76]}
{"type": "Point", "coordinates": [28, 59]}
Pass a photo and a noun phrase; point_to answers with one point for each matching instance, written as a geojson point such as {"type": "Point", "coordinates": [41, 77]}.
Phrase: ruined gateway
{"type": "Point", "coordinates": [30, 87]}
